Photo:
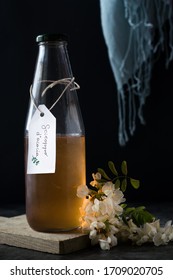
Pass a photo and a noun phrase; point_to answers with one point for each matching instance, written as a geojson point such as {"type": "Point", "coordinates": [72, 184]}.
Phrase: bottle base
{"type": "Point", "coordinates": [57, 230]}
{"type": "Point", "coordinates": [45, 229]}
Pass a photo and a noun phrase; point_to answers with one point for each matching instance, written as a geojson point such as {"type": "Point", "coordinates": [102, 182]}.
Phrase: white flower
{"type": "Point", "coordinates": [113, 229]}
{"type": "Point", "coordinates": [118, 196]}
{"type": "Point", "coordinates": [164, 234]}
{"type": "Point", "coordinates": [82, 191]}
{"type": "Point", "coordinates": [87, 207]}
{"type": "Point", "coordinates": [101, 217]}
{"type": "Point", "coordinates": [93, 234]}
{"type": "Point", "coordinates": [95, 240]}
{"type": "Point", "coordinates": [169, 229]}
{"type": "Point", "coordinates": [113, 240]}
{"type": "Point", "coordinates": [109, 206]}
{"type": "Point", "coordinates": [150, 229]}
{"type": "Point", "coordinates": [115, 221]}
{"type": "Point", "coordinates": [118, 209]}
{"type": "Point", "coordinates": [108, 188]}
{"type": "Point", "coordinates": [127, 231]}
{"type": "Point", "coordinates": [96, 177]}
{"type": "Point", "coordinates": [142, 240]}
{"type": "Point", "coordinates": [97, 225]}
{"type": "Point", "coordinates": [158, 239]}
{"type": "Point", "coordinates": [105, 243]}
{"type": "Point", "coordinates": [96, 205]}
{"type": "Point", "coordinates": [132, 226]}
{"type": "Point", "coordinates": [100, 207]}
{"type": "Point", "coordinates": [149, 232]}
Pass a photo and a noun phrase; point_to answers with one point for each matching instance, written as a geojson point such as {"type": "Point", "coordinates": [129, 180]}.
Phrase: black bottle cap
{"type": "Point", "coordinates": [51, 37]}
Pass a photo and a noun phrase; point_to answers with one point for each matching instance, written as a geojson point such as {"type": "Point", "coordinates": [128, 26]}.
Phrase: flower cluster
{"type": "Point", "coordinates": [100, 212]}
{"type": "Point", "coordinates": [148, 232]}
{"type": "Point", "coordinates": [106, 218]}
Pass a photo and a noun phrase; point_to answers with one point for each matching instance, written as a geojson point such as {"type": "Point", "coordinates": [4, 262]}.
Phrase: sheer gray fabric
{"type": "Point", "coordinates": [133, 32]}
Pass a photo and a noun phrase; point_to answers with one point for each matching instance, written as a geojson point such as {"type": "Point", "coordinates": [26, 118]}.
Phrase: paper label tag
{"type": "Point", "coordinates": [42, 142]}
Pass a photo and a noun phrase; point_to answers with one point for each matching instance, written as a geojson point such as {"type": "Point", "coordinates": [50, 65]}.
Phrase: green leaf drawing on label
{"type": "Point", "coordinates": [35, 160]}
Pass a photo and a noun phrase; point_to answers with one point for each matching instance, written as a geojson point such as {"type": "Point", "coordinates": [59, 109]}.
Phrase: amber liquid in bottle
{"type": "Point", "coordinates": [51, 201]}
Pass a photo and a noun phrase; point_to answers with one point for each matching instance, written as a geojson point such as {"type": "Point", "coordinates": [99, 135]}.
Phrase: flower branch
{"type": "Point", "coordinates": [107, 219]}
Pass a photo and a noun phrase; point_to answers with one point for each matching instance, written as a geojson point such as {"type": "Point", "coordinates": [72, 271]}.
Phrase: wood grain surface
{"type": "Point", "coordinates": [15, 231]}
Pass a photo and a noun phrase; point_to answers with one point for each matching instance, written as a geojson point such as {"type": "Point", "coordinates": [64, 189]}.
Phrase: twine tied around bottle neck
{"type": "Point", "coordinates": [66, 81]}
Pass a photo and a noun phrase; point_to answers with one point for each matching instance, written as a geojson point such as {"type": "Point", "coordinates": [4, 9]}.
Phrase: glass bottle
{"type": "Point", "coordinates": [51, 201]}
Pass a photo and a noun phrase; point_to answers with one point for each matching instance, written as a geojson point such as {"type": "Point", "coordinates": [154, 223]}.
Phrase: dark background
{"type": "Point", "coordinates": [149, 151]}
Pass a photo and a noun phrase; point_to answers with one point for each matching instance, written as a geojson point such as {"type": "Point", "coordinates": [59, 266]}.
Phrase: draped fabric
{"type": "Point", "coordinates": [134, 31]}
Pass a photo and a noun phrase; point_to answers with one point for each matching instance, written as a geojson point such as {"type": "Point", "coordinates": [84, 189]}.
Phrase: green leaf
{"type": "Point", "coordinates": [101, 181]}
{"type": "Point", "coordinates": [123, 205]}
{"type": "Point", "coordinates": [129, 210]}
{"type": "Point", "coordinates": [139, 215]}
{"type": "Point", "coordinates": [124, 185]}
{"type": "Point", "coordinates": [124, 167]}
{"type": "Point", "coordinates": [148, 217]}
{"type": "Point", "coordinates": [117, 184]}
{"type": "Point", "coordinates": [140, 208]}
{"type": "Point", "coordinates": [135, 183]}
{"type": "Point", "coordinates": [103, 173]}
{"type": "Point", "coordinates": [112, 168]}
{"type": "Point", "coordinates": [127, 214]}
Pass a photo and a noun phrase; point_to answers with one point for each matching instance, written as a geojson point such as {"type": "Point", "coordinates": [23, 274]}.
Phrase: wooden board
{"type": "Point", "coordinates": [15, 231]}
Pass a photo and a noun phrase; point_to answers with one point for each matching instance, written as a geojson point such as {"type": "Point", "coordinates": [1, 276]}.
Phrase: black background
{"type": "Point", "coordinates": [149, 151]}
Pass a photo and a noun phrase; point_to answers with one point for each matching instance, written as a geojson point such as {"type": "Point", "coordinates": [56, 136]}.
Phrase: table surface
{"type": "Point", "coordinates": [124, 251]}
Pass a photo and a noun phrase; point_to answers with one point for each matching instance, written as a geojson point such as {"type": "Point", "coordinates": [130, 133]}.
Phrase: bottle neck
{"type": "Point", "coordinates": [53, 61]}
{"type": "Point", "coordinates": [52, 66]}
